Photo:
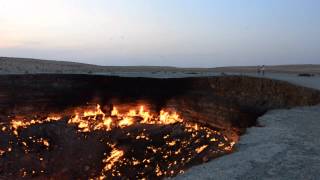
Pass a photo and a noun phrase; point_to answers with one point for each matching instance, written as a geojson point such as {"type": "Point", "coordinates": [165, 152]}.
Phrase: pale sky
{"type": "Point", "coordinates": [197, 33]}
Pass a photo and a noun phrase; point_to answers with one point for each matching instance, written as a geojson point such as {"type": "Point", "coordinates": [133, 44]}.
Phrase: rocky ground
{"type": "Point", "coordinates": [286, 146]}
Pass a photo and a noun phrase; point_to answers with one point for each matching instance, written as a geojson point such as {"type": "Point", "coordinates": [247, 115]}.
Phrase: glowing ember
{"type": "Point", "coordinates": [138, 143]}
{"type": "Point", "coordinates": [200, 149]}
{"type": "Point", "coordinates": [115, 155]}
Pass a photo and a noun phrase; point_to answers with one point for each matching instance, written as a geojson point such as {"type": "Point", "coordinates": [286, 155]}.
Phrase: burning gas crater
{"type": "Point", "coordinates": [134, 143]}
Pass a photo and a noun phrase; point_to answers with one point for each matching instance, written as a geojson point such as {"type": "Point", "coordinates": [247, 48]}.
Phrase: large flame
{"type": "Point", "coordinates": [200, 138]}
{"type": "Point", "coordinates": [96, 119]}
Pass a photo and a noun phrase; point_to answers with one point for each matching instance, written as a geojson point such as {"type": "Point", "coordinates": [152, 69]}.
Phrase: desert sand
{"type": "Point", "coordinates": [9, 65]}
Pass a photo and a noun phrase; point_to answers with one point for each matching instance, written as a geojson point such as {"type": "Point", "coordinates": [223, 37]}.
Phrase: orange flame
{"type": "Point", "coordinates": [96, 119]}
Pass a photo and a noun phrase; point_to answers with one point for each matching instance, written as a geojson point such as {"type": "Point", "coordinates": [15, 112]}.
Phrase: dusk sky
{"type": "Point", "coordinates": [197, 33]}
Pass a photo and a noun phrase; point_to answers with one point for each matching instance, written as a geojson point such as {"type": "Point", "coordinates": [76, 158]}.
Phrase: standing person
{"type": "Point", "coordinates": [263, 69]}
{"type": "Point", "coordinates": [258, 70]}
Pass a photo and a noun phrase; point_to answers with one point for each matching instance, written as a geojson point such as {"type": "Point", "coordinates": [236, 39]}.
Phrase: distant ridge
{"type": "Point", "coordinates": [11, 65]}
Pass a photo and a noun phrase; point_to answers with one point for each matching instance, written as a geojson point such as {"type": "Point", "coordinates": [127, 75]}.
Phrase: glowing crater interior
{"type": "Point", "coordinates": [137, 142]}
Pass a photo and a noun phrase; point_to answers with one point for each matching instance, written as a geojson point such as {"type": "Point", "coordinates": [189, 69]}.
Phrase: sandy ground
{"type": "Point", "coordinates": [286, 147]}
{"type": "Point", "coordinates": [31, 66]}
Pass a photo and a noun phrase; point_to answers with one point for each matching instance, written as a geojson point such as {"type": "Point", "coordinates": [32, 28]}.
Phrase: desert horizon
{"type": "Point", "coordinates": [18, 65]}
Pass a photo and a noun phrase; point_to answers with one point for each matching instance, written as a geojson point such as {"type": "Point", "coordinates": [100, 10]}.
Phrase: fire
{"type": "Point", "coordinates": [2, 152]}
{"type": "Point", "coordinates": [107, 123]}
{"type": "Point", "coordinates": [16, 124]}
{"type": "Point", "coordinates": [178, 142]}
{"type": "Point", "coordinates": [113, 158]}
{"type": "Point", "coordinates": [115, 155]}
{"type": "Point", "coordinates": [200, 149]}
{"type": "Point", "coordinates": [172, 143]}
{"type": "Point", "coordinates": [158, 171]}
{"type": "Point", "coordinates": [167, 118]}
{"type": "Point", "coordinates": [114, 112]}
{"type": "Point", "coordinates": [45, 142]}
{"type": "Point", "coordinates": [126, 121]}
{"type": "Point", "coordinates": [96, 119]}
